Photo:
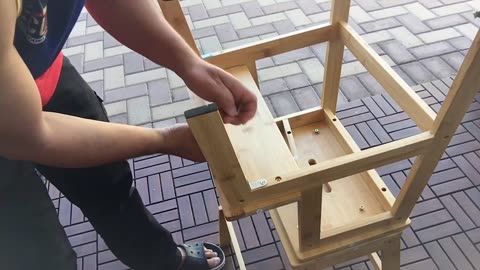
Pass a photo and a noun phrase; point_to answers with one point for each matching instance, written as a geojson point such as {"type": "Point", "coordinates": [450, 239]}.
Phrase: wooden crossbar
{"type": "Point", "coordinates": [349, 164]}
{"type": "Point", "coordinates": [244, 55]}
{"type": "Point", "coordinates": [410, 102]}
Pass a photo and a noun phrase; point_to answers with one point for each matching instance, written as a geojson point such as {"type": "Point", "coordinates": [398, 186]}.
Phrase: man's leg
{"type": "Point", "coordinates": [30, 235]}
{"type": "Point", "coordinates": [105, 193]}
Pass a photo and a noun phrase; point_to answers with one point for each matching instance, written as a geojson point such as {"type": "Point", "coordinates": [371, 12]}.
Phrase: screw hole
{"type": "Point", "coordinates": [384, 189]}
{"type": "Point", "coordinates": [334, 119]}
{"type": "Point", "coordinates": [278, 178]}
{"type": "Point", "coordinates": [289, 132]}
{"type": "Point", "coordinates": [242, 201]}
{"type": "Point", "coordinates": [312, 162]}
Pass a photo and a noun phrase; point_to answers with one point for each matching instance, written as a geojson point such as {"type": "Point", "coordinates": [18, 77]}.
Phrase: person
{"type": "Point", "coordinates": [52, 122]}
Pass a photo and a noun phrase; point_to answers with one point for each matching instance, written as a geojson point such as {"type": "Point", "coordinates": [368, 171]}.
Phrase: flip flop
{"type": "Point", "coordinates": [197, 260]}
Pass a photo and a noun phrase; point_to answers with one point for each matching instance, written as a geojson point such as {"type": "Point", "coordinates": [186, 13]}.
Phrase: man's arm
{"type": "Point", "coordinates": [140, 25]}
{"type": "Point", "coordinates": [27, 133]}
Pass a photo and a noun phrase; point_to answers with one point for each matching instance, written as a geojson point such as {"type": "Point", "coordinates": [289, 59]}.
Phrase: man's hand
{"type": "Point", "coordinates": [181, 142]}
{"type": "Point", "coordinates": [236, 102]}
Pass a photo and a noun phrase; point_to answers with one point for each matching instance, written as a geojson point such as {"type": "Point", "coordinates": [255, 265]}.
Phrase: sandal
{"type": "Point", "coordinates": [196, 259]}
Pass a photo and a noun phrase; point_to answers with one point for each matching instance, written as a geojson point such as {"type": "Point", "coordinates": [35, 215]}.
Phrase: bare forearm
{"type": "Point", "coordinates": [140, 25]}
{"type": "Point", "coordinates": [75, 142]}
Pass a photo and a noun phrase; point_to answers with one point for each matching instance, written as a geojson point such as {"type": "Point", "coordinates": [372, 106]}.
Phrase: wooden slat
{"type": "Point", "coordinates": [375, 260]}
{"type": "Point", "coordinates": [333, 66]}
{"type": "Point", "coordinates": [303, 118]}
{"type": "Point", "coordinates": [371, 177]}
{"type": "Point", "coordinates": [410, 102]}
{"type": "Point", "coordinates": [349, 164]}
{"type": "Point", "coordinates": [456, 104]}
{"type": "Point", "coordinates": [210, 133]}
{"type": "Point", "coordinates": [290, 138]}
{"type": "Point", "coordinates": [236, 246]}
{"type": "Point", "coordinates": [244, 55]}
{"type": "Point", "coordinates": [309, 217]}
{"type": "Point", "coordinates": [259, 145]}
{"type": "Point", "coordinates": [391, 254]}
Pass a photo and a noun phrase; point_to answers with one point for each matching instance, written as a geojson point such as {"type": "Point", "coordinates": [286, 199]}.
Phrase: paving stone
{"type": "Point", "coordinates": [133, 63]}
{"type": "Point", "coordinates": [210, 44]}
{"type": "Point", "coordinates": [283, 26]}
{"type": "Point", "coordinates": [420, 11]}
{"type": "Point", "coordinates": [125, 93]}
{"type": "Point", "coordinates": [225, 10]}
{"type": "Point", "coordinates": [439, 35]}
{"type": "Point", "coordinates": [297, 17]}
{"type": "Point", "coordinates": [455, 60]}
{"type": "Point", "coordinates": [417, 72]}
{"type": "Point", "coordinates": [239, 20]}
{"type": "Point", "coordinates": [380, 25]}
{"type": "Point", "coordinates": [446, 21]}
{"type": "Point", "coordinates": [203, 32]}
{"type": "Point", "coordinates": [397, 52]}
{"type": "Point", "coordinates": [413, 23]}
{"type": "Point", "coordinates": [284, 103]}
{"type": "Point", "coordinates": [468, 29]}
{"type": "Point", "coordinates": [256, 30]}
{"type": "Point", "coordinates": [179, 94]}
{"type": "Point", "coordinates": [438, 231]}
{"type": "Point", "coordinates": [145, 76]}
{"type": "Point", "coordinates": [371, 84]}
{"type": "Point", "coordinates": [252, 9]}
{"type": "Point", "coordinates": [139, 110]}
{"type": "Point", "coordinates": [438, 67]}
{"type": "Point", "coordinates": [197, 12]}
{"type": "Point", "coordinates": [114, 77]}
{"type": "Point", "coordinates": [273, 86]}
{"type": "Point", "coordinates": [268, 18]}
{"type": "Point", "coordinates": [451, 9]}
{"type": "Point", "coordinates": [309, 6]}
{"type": "Point", "coordinates": [297, 81]}
{"type": "Point", "coordinates": [276, 8]}
{"type": "Point", "coordinates": [455, 254]}
{"type": "Point", "coordinates": [352, 88]}
{"type": "Point", "coordinates": [93, 50]}
{"type": "Point", "coordinates": [81, 40]}
{"type": "Point", "coordinates": [279, 71]}
{"type": "Point", "coordinates": [159, 92]}
{"type": "Point", "coordinates": [306, 98]}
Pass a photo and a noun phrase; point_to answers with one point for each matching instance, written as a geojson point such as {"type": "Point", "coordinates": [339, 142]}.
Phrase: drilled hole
{"type": "Point", "coordinates": [312, 162]}
{"type": "Point", "coordinates": [384, 189]}
{"type": "Point", "coordinates": [289, 132]}
{"type": "Point", "coordinates": [278, 178]}
{"type": "Point", "coordinates": [242, 201]}
{"type": "Point", "coordinates": [334, 119]}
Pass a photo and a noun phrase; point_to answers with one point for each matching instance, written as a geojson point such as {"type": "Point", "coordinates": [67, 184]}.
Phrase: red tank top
{"type": "Point", "coordinates": [48, 81]}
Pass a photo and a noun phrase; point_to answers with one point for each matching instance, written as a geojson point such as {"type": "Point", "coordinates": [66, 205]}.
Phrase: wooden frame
{"type": "Point", "coordinates": [305, 167]}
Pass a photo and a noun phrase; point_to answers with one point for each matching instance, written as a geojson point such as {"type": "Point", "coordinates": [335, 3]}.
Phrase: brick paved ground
{"type": "Point", "coordinates": [445, 231]}
{"type": "Point", "coordinates": [425, 41]}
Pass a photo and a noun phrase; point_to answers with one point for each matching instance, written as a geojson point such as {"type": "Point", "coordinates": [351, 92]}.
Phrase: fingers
{"type": "Point", "coordinates": [245, 101]}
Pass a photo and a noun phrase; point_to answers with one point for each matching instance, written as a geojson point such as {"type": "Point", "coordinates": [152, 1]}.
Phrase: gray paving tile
{"type": "Point", "coordinates": [413, 23]}
{"type": "Point", "coordinates": [179, 94]}
{"type": "Point", "coordinates": [273, 86]}
{"type": "Point", "coordinates": [309, 6]}
{"type": "Point", "coordinates": [256, 30]}
{"type": "Point", "coordinates": [126, 92]}
{"type": "Point", "coordinates": [225, 10]}
{"type": "Point", "coordinates": [396, 51]}
{"type": "Point", "coordinates": [226, 32]}
{"type": "Point", "coordinates": [446, 21]}
{"type": "Point", "coordinates": [159, 92]}
{"type": "Point", "coordinates": [284, 103]}
{"type": "Point", "coordinates": [133, 63]}
{"type": "Point", "coordinates": [438, 67]}
{"type": "Point", "coordinates": [306, 98]}
{"type": "Point", "coordinates": [252, 9]}
{"type": "Point", "coordinates": [454, 59]}
{"type": "Point", "coordinates": [417, 72]}
{"type": "Point", "coordinates": [352, 88]}
{"type": "Point", "coordinates": [275, 8]}
{"type": "Point", "coordinates": [197, 12]}
{"type": "Point", "coordinates": [292, 56]}
{"type": "Point", "coordinates": [103, 63]}
{"type": "Point", "coordinates": [297, 81]}
{"type": "Point", "coordinates": [380, 25]}
{"type": "Point", "coordinates": [430, 50]}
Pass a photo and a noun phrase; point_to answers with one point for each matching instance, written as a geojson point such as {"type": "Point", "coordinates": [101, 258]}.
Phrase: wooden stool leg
{"type": "Point", "coordinates": [391, 255]}
{"type": "Point", "coordinates": [223, 232]}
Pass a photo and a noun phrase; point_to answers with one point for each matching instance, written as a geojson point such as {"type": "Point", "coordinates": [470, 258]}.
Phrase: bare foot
{"type": "Point", "coordinates": [212, 257]}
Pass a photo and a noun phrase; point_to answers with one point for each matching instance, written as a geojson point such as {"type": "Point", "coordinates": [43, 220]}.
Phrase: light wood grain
{"type": "Point", "coordinates": [406, 98]}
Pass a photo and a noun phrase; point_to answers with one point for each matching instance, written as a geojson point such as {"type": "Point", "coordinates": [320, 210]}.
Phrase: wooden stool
{"type": "Point", "coordinates": [327, 202]}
